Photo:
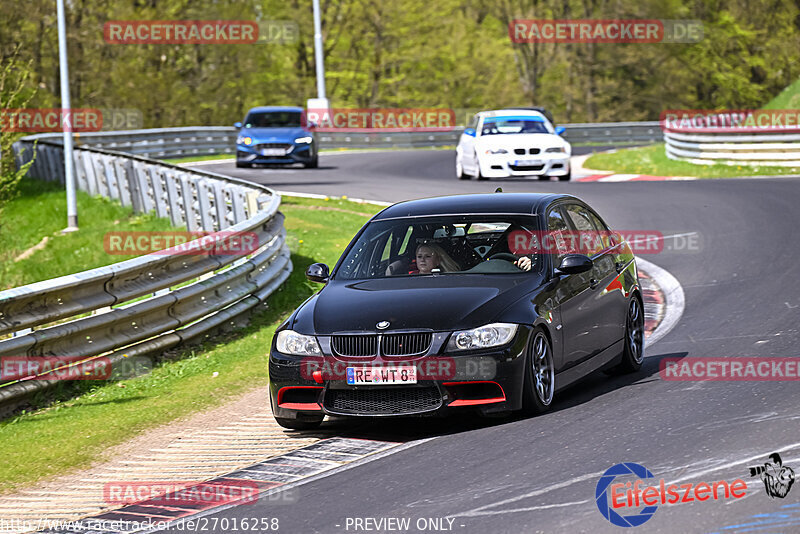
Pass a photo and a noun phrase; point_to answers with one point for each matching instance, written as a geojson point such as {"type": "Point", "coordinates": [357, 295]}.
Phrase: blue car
{"type": "Point", "coordinates": [276, 135]}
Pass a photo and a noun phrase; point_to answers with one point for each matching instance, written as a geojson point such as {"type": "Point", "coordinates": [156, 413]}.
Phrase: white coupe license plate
{"type": "Point", "coordinates": [273, 151]}
{"type": "Point", "coordinates": [527, 162]}
{"type": "Point", "coordinates": [402, 374]}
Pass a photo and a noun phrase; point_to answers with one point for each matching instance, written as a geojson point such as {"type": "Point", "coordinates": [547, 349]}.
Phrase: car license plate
{"type": "Point", "coordinates": [401, 374]}
{"type": "Point", "coordinates": [273, 151]}
{"type": "Point", "coordinates": [527, 162]}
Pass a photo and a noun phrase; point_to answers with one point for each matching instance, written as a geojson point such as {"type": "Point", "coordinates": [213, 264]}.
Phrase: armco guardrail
{"type": "Point", "coordinates": [204, 140]}
{"type": "Point", "coordinates": [223, 289]}
{"type": "Point", "coordinates": [735, 148]}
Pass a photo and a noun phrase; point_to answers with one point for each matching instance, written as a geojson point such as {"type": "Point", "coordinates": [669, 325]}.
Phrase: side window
{"type": "Point", "coordinates": [592, 233]}
{"type": "Point", "coordinates": [557, 227]}
{"type": "Point", "coordinates": [474, 122]}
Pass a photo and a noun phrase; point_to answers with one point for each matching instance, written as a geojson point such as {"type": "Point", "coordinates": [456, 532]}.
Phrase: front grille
{"type": "Point", "coordinates": [406, 344]}
{"type": "Point", "coordinates": [357, 346]}
{"type": "Point", "coordinates": [526, 167]}
{"type": "Point", "coordinates": [534, 151]}
{"type": "Point", "coordinates": [287, 146]}
{"type": "Point", "coordinates": [383, 401]}
{"type": "Point", "coordinates": [519, 151]}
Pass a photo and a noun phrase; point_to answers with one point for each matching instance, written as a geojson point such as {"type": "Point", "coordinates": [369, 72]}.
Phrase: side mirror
{"type": "Point", "coordinates": [318, 272]}
{"type": "Point", "coordinates": [574, 264]}
{"type": "Point", "coordinates": [237, 124]}
{"type": "Point", "coordinates": [469, 131]}
{"type": "Point", "coordinates": [560, 130]}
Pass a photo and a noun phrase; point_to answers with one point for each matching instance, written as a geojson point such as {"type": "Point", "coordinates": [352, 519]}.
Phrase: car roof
{"type": "Point", "coordinates": [488, 203]}
{"type": "Point", "coordinates": [274, 108]}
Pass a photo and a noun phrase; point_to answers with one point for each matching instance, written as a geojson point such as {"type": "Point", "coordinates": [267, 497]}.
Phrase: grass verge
{"type": "Point", "coordinates": [76, 431]}
{"type": "Point", "coordinates": [789, 98]}
{"type": "Point", "coordinates": [61, 254]}
{"type": "Point", "coordinates": [653, 160]}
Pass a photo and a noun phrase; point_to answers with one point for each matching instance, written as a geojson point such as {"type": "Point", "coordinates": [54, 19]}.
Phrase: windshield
{"type": "Point", "coordinates": [514, 125]}
{"type": "Point", "coordinates": [438, 246]}
{"type": "Point", "coordinates": [273, 119]}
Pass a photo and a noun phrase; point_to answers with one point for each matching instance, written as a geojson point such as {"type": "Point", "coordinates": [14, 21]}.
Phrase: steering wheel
{"type": "Point", "coordinates": [503, 256]}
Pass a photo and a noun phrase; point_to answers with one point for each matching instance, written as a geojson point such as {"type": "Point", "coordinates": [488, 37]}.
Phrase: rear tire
{"type": "Point", "coordinates": [539, 388]}
{"type": "Point", "coordinates": [299, 424]}
{"type": "Point", "coordinates": [633, 351]}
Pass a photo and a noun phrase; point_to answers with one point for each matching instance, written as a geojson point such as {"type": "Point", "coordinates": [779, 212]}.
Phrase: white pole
{"type": "Point", "coordinates": [318, 52]}
{"type": "Point", "coordinates": [69, 168]}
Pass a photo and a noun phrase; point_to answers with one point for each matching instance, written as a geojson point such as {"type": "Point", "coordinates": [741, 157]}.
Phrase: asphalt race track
{"type": "Point", "coordinates": [539, 474]}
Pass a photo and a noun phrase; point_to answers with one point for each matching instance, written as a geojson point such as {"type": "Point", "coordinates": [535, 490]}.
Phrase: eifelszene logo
{"type": "Point", "coordinates": [614, 497]}
{"type": "Point", "coordinates": [777, 478]}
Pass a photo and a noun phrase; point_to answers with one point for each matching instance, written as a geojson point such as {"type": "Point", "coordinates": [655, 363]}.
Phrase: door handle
{"type": "Point", "coordinates": [593, 283]}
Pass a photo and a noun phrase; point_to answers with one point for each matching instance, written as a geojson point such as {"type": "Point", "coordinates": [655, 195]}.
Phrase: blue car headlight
{"type": "Point", "coordinates": [303, 140]}
{"type": "Point", "coordinates": [244, 140]}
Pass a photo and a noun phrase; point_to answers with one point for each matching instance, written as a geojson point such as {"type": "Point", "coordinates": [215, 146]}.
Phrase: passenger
{"type": "Point", "coordinates": [431, 256]}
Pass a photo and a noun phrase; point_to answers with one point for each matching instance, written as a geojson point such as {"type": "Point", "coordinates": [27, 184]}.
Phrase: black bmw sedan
{"type": "Point", "coordinates": [490, 302]}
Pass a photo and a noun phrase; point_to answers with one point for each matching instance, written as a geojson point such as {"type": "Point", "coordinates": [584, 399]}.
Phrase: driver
{"type": "Point", "coordinates": [431, 256]}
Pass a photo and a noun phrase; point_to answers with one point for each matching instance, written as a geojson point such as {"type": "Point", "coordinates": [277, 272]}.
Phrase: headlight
{"type": "Point", "coordinates": [557, 149]}
{"type": "Point", "coordinates": [290, 342]}
{"type": "Point", "coordinates": [498, 151]}
{"type": "Point", "coordinates": [244, 140]}
{"type": "Point", "coordinates": [302, 140]}
{"type": "Point", "coordinates": [491, 335]}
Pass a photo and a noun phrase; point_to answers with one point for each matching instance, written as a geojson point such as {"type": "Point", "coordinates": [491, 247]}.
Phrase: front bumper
{"type": "Point", "coordinates": [295, 153]}
{"type": "Point", "coordinates": [490, 381]}
{"type": "Point", "coordinates": [504, 165]}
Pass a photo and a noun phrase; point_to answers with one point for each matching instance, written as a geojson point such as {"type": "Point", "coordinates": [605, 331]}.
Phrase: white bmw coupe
{"type": "Point", "coordinates": [513, 142]}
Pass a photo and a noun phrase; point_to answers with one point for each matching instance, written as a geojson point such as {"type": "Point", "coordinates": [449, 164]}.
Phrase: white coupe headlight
{"type": "Point", "coordinates": [303, 140]}
{"type": "Point", "coordinates": [290, 342]}
{"type": "Point", "coordinates": [497, 151]}
{"type": "Point", "coordinates": [490, 335]}
{"type": "Point", "coordinates": [557, 150]}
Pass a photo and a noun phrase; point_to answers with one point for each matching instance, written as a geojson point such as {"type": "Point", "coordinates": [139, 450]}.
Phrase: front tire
{"type": "Point", "coordinates": [299, 424]}
{"type": "Point", "coordinates": [566, 177]}
{"type": "Point", "coordinates": [242, 165]}
{"type": "Point", "coordinates": [539, 388]}
{"type": "Point", "coordinates": [460, 174]}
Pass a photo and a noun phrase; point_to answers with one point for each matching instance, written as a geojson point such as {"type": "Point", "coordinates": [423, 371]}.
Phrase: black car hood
{"type": "Point", "coordinates": [439, 303]}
